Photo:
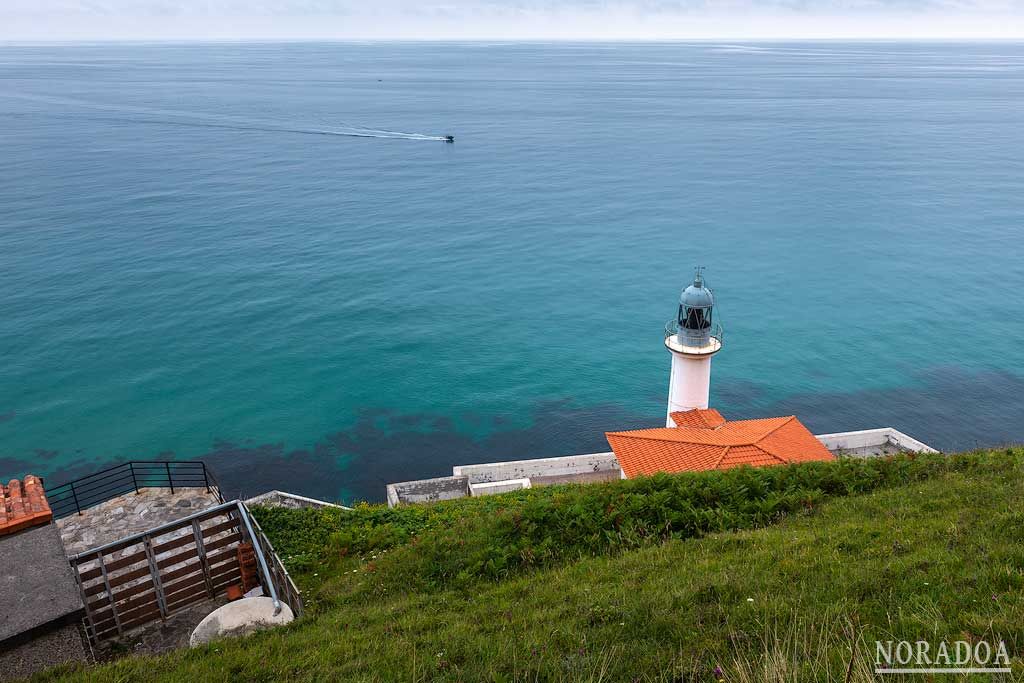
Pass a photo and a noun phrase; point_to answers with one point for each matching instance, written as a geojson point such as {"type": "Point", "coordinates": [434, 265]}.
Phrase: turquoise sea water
{"type": "Point", "coordinates": [187, 269]}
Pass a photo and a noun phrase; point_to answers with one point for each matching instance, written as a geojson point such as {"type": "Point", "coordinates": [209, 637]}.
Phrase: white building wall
{"type": "Point", "coordinates": [689, 384]}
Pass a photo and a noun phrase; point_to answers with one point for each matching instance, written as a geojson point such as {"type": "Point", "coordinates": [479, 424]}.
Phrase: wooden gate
{"type": "Point", "coordinates": [148, 577]}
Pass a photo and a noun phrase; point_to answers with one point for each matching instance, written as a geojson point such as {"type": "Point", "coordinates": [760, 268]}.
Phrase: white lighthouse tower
{"type": "Point", "coordinates": [692, 338]}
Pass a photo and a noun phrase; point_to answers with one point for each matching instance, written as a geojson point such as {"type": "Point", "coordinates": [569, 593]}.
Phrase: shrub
{"type": "Point", "coordinates": [458, 542]}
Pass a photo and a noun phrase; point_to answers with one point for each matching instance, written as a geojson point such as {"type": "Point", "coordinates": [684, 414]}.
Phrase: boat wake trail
{"type": "Point", "coordinates": [204, 120]}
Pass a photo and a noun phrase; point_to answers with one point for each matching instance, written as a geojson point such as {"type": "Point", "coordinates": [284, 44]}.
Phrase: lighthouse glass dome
{"type": "Point", "coordinates": [694, 329]}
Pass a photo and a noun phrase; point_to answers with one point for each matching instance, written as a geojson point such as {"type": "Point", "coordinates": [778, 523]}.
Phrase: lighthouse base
{"type": "Point", "coordinates": [689, 385]}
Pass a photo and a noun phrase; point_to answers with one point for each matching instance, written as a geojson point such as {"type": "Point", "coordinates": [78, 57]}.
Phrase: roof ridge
{"type": "Point", "coordinates": [637, 434]}
{"type": "Point", "coordinates": [789, 418]}
{"type": "Point", "coordinates": [718, 462]}
{"type": "Point", "coordinates": [687, 434]}
{"type": "Point", "coordinates": [764, 448]}
{"type": "Point", "coordinates": [778, 457]}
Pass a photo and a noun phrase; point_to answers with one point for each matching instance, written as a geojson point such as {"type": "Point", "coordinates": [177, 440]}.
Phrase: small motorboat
{"type": "Point", "coordinates": [450, 139]}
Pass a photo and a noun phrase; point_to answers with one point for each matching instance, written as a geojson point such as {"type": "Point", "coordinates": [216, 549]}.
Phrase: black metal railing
{"type": "Point", "coordinates": [99, 487]}
{"type": "Point", "coordinates": [697, 342]}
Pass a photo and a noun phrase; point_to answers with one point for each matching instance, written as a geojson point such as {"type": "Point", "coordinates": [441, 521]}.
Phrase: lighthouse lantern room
{"type": "Point", "coordinates": [692, 338]}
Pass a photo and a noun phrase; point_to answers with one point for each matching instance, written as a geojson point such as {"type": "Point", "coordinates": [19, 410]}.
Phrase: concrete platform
{"type": "Point", "coordinates": [40, 605]}
{"type": "Point", "coordinates": [130, 514]}
{"type": "Point", "coordinates": [37, 585]}
{"type": "Point", "coordinates": [868, 443]}
{"type": "Point", "coordinates": [506, 476]}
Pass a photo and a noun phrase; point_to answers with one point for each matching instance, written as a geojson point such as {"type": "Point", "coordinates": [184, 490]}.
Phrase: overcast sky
{"type": "Point", "coordinates": [507, 19]}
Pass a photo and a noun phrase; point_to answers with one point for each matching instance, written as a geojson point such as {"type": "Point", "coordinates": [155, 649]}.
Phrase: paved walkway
{"type": "Point", "coordinates": [130, 514]}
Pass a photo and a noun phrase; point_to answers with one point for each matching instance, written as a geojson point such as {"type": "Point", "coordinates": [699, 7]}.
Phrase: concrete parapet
{"type": "Point", "coordinates": [488, 488]}
{"type": "Point", "coordinates": [866, 443]}
{"type": "Point", "coordinates": [564, 466]}
{"type": "Point", "coordinates": [283, 499]}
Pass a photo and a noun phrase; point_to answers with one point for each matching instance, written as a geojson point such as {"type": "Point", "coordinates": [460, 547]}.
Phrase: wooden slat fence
{"type": "Point", "coordinates": [150, 576]}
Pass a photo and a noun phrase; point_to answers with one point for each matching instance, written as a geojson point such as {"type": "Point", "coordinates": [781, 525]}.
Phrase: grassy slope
{"type": "Point", "coordinates": [940, 559]}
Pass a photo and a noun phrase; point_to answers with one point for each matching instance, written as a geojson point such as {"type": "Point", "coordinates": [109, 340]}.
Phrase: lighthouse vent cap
{"type": "Point", "coordinates": [696, 304]}
{"type": "Point", "coordinates": [697, 296]}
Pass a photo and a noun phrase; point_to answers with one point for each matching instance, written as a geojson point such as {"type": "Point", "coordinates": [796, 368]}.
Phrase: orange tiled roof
{"type": "Point", "coordinates": [23, 505]}
{"type": "Point", "coordinates": [698, 418]}
{"type": "Point", "coordinates": [704, 440]}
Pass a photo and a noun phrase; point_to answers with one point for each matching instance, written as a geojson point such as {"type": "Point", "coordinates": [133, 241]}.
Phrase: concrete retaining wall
{"type": "Point", "coordinates": [428, 490]}
{"type": "Point", "coordinates": [540, 467]}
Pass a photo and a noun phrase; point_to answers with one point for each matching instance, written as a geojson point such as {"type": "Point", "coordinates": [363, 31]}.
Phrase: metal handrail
{"type": "Point", "coordinates": [259, 556]}
{"type": "Point", "coordinates": [99, 487]}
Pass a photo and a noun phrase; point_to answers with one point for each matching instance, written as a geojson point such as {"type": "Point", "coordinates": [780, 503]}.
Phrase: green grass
{"type": "Point", "coordinates": [458, 543]}
{"type": "Point", "coordinates": [824, 562]}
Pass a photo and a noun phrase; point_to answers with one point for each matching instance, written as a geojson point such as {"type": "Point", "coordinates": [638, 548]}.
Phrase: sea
{"type": "Point", "coordinates": [267, 257]}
